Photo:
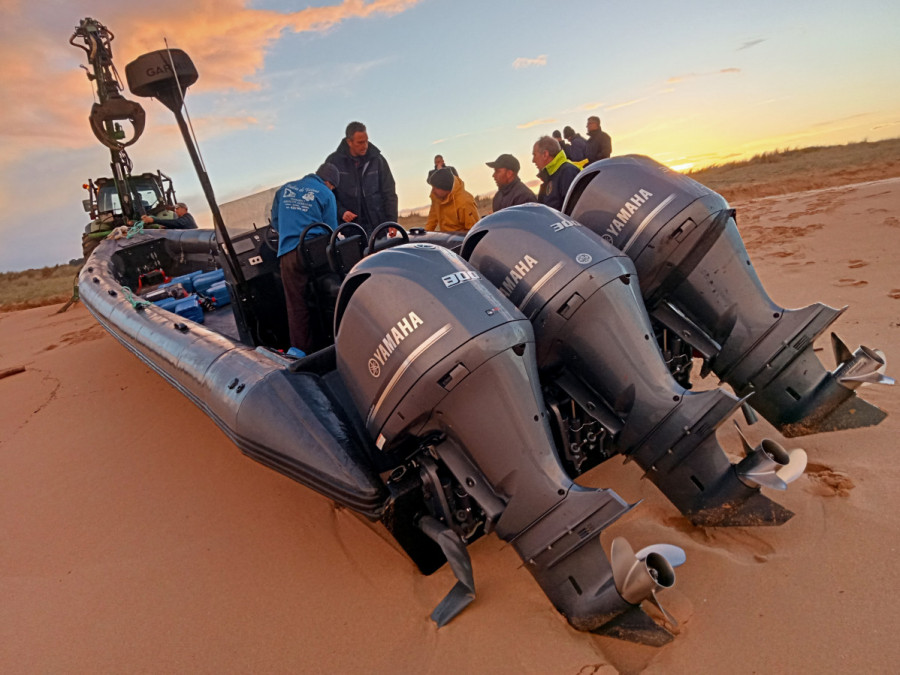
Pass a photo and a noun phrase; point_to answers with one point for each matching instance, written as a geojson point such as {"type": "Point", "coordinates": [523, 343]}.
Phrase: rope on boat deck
{"type": "Point", "coordinates": [137, 228]}
{"type": "Point", "coordinates": [138, 303]}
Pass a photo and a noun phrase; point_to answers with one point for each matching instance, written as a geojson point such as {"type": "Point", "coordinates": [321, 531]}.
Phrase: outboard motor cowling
{"type": "Point", "coordinates": [427, 349]}
{"type": "Point", "coordinates": [697, 280]}
{"type": "Point", "coordinates": [595, 342]}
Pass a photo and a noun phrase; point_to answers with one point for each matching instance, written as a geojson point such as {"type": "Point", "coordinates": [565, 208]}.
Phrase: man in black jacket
{"type": "Point", "coordinates": [367, 193]}
{"type": "Point", "coordinates": [599, 144]}
{"type": "Point", "coordinates": [510, 188]}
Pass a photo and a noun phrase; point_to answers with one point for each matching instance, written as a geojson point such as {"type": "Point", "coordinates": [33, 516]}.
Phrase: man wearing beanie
{"type": "Point", "coordinates": [510, 188]}
{"type": "Point", "coordinates": [577, 148]}
{"type": "Point", "coordinates": [452, 208]}
{"type": "Point", "coordinates": [296, 205]}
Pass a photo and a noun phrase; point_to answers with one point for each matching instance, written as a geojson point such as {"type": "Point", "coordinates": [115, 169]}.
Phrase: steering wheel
{"type": "Point", "coordinates": [331, 252]}
{"type": "Point", "coordinates": [270, 239]}
{"type": "Point", "coordinates": [370, 248]}
{"type": "Point", "coordinates": [312, 226]}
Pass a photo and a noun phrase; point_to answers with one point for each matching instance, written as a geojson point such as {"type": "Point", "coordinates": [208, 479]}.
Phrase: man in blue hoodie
{"type": "Point", "coordinates": [367, 193]}
{"type": "Point", "coordinates": [296, 205]}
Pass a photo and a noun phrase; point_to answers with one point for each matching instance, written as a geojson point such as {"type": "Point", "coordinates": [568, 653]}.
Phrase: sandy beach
{"type": "Point", "coordinates": [135, 537]}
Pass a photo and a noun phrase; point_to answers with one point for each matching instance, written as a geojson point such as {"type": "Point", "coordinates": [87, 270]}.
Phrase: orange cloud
{"type": "Point", "coordinates": [47, 96]}
{"type": "Point", "coordinates": [523, 62]}
{"type": "Point", "coordinates": [675, 79]}
{"type": "Point", "coordinates": [585, 107]}
{"type": "Point", "coordinates": [627, 103]}
{"type": "Point", "coordinates": [534, 123]}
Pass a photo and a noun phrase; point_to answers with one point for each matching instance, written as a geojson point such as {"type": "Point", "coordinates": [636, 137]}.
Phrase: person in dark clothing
{"type": "Point", "coordinates": [599, 144]}
{"type": "Point", "coordinates": [555, 171]}
{"type": "Point", "coordinates": [296, 205]}
{"type": "Point", "coordinates": [182, 220]}
{"type": "Point", "coordinates": [510, 188]}
{"type": "Point", "coordinates": [439, 164]}
{"type": "Point", "coordinates": [577, 150]}
{"type": "Point", "coordinates": [367, 193]}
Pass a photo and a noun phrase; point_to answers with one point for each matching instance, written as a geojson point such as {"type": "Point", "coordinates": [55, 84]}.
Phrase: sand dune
{"type": "Point", "coordinates": [135, 537]}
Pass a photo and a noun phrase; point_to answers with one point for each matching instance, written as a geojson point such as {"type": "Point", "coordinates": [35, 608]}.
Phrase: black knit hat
{"type": "Point", "coordinates": [329, 173]}
{"type": "Point", "coordinates": [442, 179]}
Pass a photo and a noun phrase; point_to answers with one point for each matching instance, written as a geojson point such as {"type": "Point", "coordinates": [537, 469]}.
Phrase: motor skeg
{"type": "Point", "coordinates": [595, 341]}
{"type": "Point", "coordinates": [698, 281]}
{"type": "Point", "coordinates": [465, 377]}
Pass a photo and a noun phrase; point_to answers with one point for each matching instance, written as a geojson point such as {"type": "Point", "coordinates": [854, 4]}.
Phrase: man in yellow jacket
{"type": "Point", "coordinates": [452, 208]}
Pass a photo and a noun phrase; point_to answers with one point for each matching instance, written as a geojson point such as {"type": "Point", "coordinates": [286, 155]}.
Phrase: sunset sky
{"type": "Point", "coordinates": [687, 83]}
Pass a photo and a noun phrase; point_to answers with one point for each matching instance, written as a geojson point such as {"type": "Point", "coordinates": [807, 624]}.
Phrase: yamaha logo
{"type": "Point", "coordinates": [583, 258]}
{"type": "Point", "coordinates": [374, 368]}
{"type": "Point", "coordinates": [425, 246]}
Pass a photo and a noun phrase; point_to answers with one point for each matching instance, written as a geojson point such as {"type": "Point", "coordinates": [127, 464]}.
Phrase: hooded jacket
{"type": "Point", "coordinates": [456, 212]}
{"type": "Point", "coordinates": [556, 178]}
{"type": "Point", "coordinates": [366, 188]}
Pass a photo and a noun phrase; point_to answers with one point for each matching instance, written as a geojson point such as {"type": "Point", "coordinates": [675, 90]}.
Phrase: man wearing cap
{"type": "Point", "coordinates": [296, 205]}
{"type": "Point", "coordinates": [182, 221]}
{"type": "Point", "coordinates": [453, 209]}
{"type": "Point", "coordinates": [510, 188]}
{"type": "Point", "coordinates": [555, 171]}
{"type": "Point", "coordinates": [367, 194]}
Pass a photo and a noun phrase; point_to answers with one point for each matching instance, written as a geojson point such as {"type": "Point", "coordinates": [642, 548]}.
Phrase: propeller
{"type": "Point", "coordinates": [638, 576]}
{"type": "Point", "coordinates": [769, 464]}
{"type": "Point", "coordinates": [864, 366]}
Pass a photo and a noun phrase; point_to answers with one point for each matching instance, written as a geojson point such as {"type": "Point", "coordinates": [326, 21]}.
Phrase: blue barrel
{"type": "Point", "coordinates": [186, 280]}
{"type": "Point", "coordinates": [219, 293]}
{"type": "Point", "coordinates": [202, 282]}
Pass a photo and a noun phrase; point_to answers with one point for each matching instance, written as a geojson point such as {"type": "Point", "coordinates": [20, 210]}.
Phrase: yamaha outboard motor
{"type": "Point", "coordinates": [595, 343]}
{"type": "Point", "coordinates": [697, 280]}
{"type": "Point", "coordinates": [441, 368]}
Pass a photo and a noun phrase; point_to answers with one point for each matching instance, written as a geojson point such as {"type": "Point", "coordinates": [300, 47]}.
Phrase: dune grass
{"type": "Point", "coordinates": [36, 287]}
{"type": "Point", "coordinates": [784, 171]}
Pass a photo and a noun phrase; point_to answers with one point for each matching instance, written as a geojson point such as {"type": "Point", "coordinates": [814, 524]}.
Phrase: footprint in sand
{"type": "Point", "coordinates": [827, 482]}
{"type": "Point", "coordinates": [853, 264]}
{"type": "Point", "coordinates": [895, 293]}
{"type": "Point", "coordinates": [891, 222]}
{"type": "Point", "coordinates": [850, 282]}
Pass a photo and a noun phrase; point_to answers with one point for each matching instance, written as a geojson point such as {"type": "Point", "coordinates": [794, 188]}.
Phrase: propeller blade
{"type": "Point", "coordinates": [637, 579]}
{"type": "Point", "coordinates": [865, 366]}
{"type": "Point", "coordinates": [675, 555]}
{"type": "Point", "coordinates": [795, 466]}
{"type": "Point", "coordinates": [655, 601]}
{"type": "Point", "coordinates": [621, 558]}
{"type": "Point", "coordinates": [760, 466]}
{"type": "Point", "coordinates": [869, 378]}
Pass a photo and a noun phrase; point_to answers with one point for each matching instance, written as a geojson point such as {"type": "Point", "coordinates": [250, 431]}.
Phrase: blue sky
{"type": "Point", "coordinates": [687, 83]}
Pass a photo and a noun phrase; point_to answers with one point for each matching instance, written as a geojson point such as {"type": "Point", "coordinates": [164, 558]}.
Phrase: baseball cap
{"type": "Point", "coordinates": [505, 162]}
